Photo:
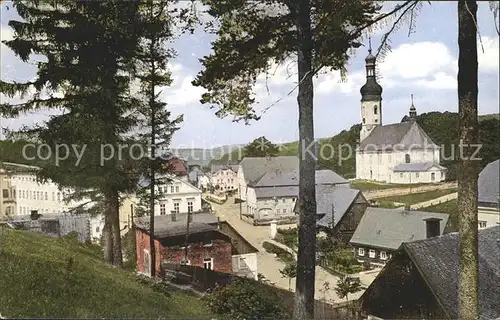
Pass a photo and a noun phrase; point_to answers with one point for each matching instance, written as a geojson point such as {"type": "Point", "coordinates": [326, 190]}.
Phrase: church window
{"type": "Point", "coordinates": [407, 158]}
{"type": "Point", "coordinates": [417, 174]}
{"type": "Point", "coordinates": [375, 110]}
{"type": "Point", "coordinates": [364, 120]}
{"type": "Point", "coordinates": [401, 174]}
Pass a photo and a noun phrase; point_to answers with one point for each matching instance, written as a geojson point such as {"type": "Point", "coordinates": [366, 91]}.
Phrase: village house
{"type": "Point", "coordinates": [422, 280]}
{"type": "Point", "coordinates": [395, 153]}
{"type": "Point", "coordinates": [212, 244]}
{"type": "Point", "coordinates": [339, 211]}
{"type": "Point", "coordinates": [489, 196]}
{"type": "Point", "coordinates": [252, 169]}
{"type": "Point", "coordinates": [199, 178]}
{"type": "Point", "coordinates": [381, 231]}
{"type": "Point", "coordinates": [224, 177]}
{"type": "Point", "coordinates": [273, 196]}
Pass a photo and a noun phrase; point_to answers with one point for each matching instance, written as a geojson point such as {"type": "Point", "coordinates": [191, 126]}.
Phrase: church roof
{"type": "Point", "coordinates": [416, 167]}
{"type": "Point", "coordinates": [399, 136]}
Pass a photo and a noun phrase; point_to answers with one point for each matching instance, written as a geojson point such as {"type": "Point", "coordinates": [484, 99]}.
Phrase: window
{"type": "Point", "coordinates": [293, 199]}
{"type": "Point", "coordinates": [147, 263]}
{"type": "Point", "coordinates": [376, 120]}
{"type": "Point", "coordinates": [482, 224]}
{"type": "Point", "coordinates": [364, 120]}
{"type": "Point", "coordinates": [401, 175]}
{"type": "Point", "coordinates": [53, 196]}
{"type": "Point", "coordinates": [407, 158]}
{"type": "Point", "coordinates": [284, 200]}
{"type": "Point", "coordinates": [278, 211]}
{"type": "Point", "coordinates": [176, 188]}
{"type": "Point", "coordinates": [190, 206]}
{"type": "Point", "coordinates": [284, 210]}
{"type": "Point", "coordinates": [5, 193]}
{"type": "Point", "coordinates": [46, 196]}
{"type": "Point", "coordinates": [371, 253]}
{"type": "Point", "coordinates": [208, 263]}
{"type": "Point", "coordinates": [163, 210]}
{"type": "Point", "coordinates": [361, 251]}
{"type": "Point", "coordinates": [442, 174]}
{"type": "Point", "coordinates": [242, 264]}
{"type": "Point", "coordinates": [176, 207]}
{"type": "Point", "coordinates": [375, 109]}
{"type": "Point", "coordinates": [24, 194]}
{"type": "Point", "coordinates": [433, 176]}
{"type": "Point", "coordinates": [97, 229]}
{"type": "Point", "coordinates": [417, 174]}
{"type": "Point", "coordinates": [14, 193]}
{"type": "Point", "coordinates": [58, 196]}
{"type": "Point", "coordinates": [172, 190]}
{"type": "Point", "coordinates": [383, 255]}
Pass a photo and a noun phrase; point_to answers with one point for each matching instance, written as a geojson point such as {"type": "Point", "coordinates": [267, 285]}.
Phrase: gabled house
{"type": "Point", "coordinates": [212, 244]}
{"type": "Point", "coordinates": [224, 177]}
{"type": "Point", "coordinates": [422, 280]}
{"type": "Point", "coordinates": [251, 169]}
{"type": "Point", "coordinates": [339, 211]}
{"type": "Point", "coordinates": [489, 195]}
{"type": "Point", "coordinates": [273, 196]}
{"type": "Point", "coordinates": [381, 231]}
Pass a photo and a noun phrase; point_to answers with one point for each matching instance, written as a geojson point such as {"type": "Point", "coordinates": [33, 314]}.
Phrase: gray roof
{"type": "Point", "coordinates": [216, 167]}
{"type": "Point", "coordinates": [399, 136]}
{"type": "Point", "coordinates": [165, 227]}
{"type": "Point", "coordinates": [416, 167]}
{"type": "Point", "coordinates": [255, 168]}
{"type": "Point", "coordinates": [388, 228]}
{"type": "Point", "coordinates": [438, 260]}
{"type": "Point", "coordinates": [488, 184]}
{"type": "Point", "coordinates": [292, 178]}
{"type": "Point", "coordinates": [340, 198]}
{"type": "Point", "coordinates": [283, 191]}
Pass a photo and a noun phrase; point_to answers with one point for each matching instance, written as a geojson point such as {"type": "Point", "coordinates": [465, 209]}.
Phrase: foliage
{"type": "Point", "coordinates": [243, 299]}
{"type": "Point", "coordinates": [289, 237]}
{"type": "Point", "coordinates": [450, 207]}
{"type": "Point", "coordinates": [261, 147]}
{"type": "Point", "coordinates": [338, 259]}
{"type": "Point", "coordinates": [129, 249]}
{"type": "Point", "coordinates": [289, 272]}
{"type": "Point", "coordinates": [46, 277]}
{"type": "Point", "coordinates": [281, 253]}
{"type": "Point", "coordinates": [347, 285]}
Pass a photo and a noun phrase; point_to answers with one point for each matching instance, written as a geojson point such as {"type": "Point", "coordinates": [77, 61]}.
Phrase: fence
{"type": "Point", "coordinates": [55, 225]}
{"type": "Point", "coordinates": [202, 280]}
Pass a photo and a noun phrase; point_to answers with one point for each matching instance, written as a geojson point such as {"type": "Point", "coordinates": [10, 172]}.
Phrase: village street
{"type": "Point", "coordinates": [268, 264]}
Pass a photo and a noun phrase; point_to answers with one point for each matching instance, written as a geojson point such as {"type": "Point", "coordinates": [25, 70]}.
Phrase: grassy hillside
{"type": "Point", "coordinates": [442, 127]}
{"type": "Point", "coordinates": [43, 277]}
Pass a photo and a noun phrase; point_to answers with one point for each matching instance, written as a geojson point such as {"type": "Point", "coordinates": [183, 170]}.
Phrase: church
{"type": "Point", "coordinates": [394, 153]}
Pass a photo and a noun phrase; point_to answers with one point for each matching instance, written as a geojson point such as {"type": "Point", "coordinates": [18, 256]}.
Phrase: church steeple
{"type": "Point", "coordinates": [371, 97]}
{"type": "Point", "coordinates": [413, 110]}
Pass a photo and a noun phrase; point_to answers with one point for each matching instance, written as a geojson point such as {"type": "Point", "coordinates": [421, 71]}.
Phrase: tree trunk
{"type": "Point", "coordinates": [107, 237]}
{"type": "Point", "coordinates": [305, 280]}
{"type": "Point", "coordinates": [117, 240]}
{"type": "Point", "coordinates": [468, 171]}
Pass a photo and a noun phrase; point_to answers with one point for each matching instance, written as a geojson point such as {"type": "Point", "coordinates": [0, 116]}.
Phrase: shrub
{"type": "Point", "coordinates": [246, 299]}
{"type": "Point", "coordinates": [281, 253]}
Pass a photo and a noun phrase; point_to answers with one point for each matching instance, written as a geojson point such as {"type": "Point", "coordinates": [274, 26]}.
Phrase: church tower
{"type": "Point", "coordinates": [413, 110]}
{"type": "Point", "coordinates": [371, 98]}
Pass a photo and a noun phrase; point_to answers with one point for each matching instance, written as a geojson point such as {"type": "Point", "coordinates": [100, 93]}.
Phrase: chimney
{"type": "Point", "coordinates": [432, 227]}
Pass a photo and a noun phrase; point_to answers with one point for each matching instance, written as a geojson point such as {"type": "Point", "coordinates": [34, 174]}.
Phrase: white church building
{"type": "Point", "coordinates": [395, 153]}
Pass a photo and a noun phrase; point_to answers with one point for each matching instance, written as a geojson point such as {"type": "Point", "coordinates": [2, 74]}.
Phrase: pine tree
{"type": "Point", "coordinates": [88, 48]}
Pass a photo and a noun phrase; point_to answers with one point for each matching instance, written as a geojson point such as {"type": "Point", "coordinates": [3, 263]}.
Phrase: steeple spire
{"type": "Point", "coordinates": [413, 110]}
{"type": "Point", "coordinates": [369, 44]}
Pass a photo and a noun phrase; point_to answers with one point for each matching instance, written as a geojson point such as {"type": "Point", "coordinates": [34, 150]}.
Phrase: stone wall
{"type": "Point", "coordinates": [382, 193]}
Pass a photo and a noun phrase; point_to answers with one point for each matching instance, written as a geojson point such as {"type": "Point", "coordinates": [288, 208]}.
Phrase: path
{"type": "Point", "coordinates": [382, 193]}
{"type": "Point", "coordinates": [268, 265]}
{"type": "Point", "coordinates": [435, 201]}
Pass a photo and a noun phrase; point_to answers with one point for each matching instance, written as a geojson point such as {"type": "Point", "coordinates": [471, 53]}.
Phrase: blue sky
{"type": "Point", "coordinates": [423, 64]}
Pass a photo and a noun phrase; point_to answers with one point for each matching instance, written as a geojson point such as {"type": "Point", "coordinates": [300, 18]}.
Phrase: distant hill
{"type": "Point", "coordinates": [442, 127]}
{"type": "Point", "coordinates": [46, 277]}
{"type": "Point", "coordinates": [203, 157]}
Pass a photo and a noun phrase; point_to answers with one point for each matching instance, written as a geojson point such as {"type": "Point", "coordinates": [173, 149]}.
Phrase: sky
{"type": "Point", "coordinates": [423, 64]}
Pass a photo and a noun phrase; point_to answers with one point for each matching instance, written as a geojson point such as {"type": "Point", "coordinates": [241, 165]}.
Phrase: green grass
{"type": "Point", "coordinates": [370, 185]}
{"type": "Point", "coordinates": [415, 198]}
{"type": "Point", "coordinates": [44, 277]}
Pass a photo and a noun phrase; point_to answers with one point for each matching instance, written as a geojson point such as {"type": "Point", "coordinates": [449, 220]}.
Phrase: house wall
{"type": "Point", "coordinates": [26, 194]}
{"type": "Point", "coordinates": [226, 179]}
{"type": "Point", "coordinates": [279, 209]}
{"type": "Point", "coordinates": [180, 191]}
{"type": "Point", "coordinates": [399, 292]}
{"type": "Point", "coordinates": [245, 265]}
{"type": "Point", "coordinates": [381, 163]}
{"type": "Point", "coordinates": [378, 252]}
{"type": "Point", "coordinates": [488, 216]}
{"type": "Point", "coordinates": [347, 225]}
{"type": "Point", "coordinates": [219, 250]}
{"type": "Point", "coordinates": [419, 177]}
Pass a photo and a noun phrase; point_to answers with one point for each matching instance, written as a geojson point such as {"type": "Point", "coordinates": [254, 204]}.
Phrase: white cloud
{"type": "Point", "coordinates": [440, 80]}
{"type": "Point", "coordinates": [332, 82]}
{"type": "Point", "coordinates": [488, 61]}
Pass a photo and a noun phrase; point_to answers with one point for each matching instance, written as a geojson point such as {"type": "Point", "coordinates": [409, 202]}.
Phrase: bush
{"type": "Point", "coordinates": [246, 299]}
{"type": "Point", "coordinates": [280, 253]}
{"type": "Point", "coordinates": [289, 237]}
